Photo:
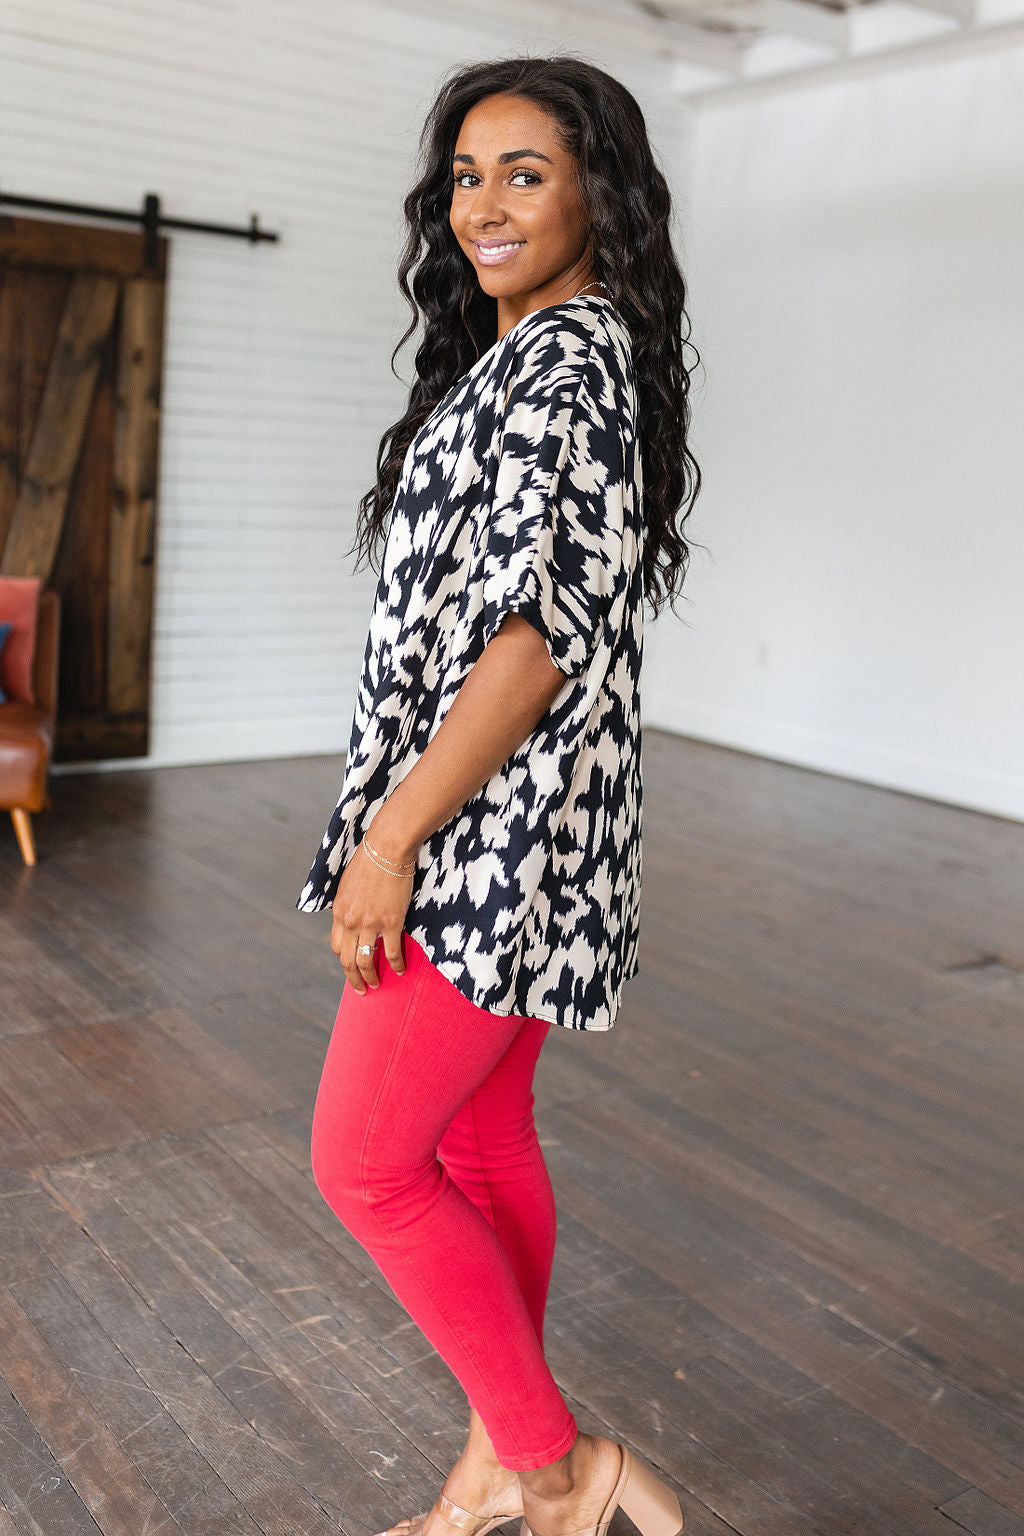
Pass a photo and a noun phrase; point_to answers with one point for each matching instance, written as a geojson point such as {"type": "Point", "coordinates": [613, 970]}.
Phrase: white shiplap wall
{"type": "Point", "coordinates": [277, 368]}
{"type": "Point", "coordinates": [857, 270]}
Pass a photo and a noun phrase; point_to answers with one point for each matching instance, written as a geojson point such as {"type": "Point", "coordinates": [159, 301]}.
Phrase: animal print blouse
{"type": "Point", "coordinates": [521, 492]}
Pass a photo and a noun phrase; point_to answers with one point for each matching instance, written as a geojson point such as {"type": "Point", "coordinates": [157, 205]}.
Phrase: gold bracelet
{"type": "Point", "coordinates": [394, 863]}
{"type": "Point", "coordinates": [384, 863]}
{"type": "Point", "coordinates": [375, 859]}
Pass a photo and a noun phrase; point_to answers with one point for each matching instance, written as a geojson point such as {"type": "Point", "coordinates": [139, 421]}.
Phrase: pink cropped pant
{"type": "Point", "coordinates": [424, 1146]}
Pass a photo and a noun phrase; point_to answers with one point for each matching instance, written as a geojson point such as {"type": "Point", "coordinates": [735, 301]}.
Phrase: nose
{"type": "Point", "coordinates": [485, 208]}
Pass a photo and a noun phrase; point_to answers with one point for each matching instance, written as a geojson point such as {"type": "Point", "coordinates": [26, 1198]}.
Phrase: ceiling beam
{"type": "Point", "coordinates": [796, 18]}
{"type": "Point", "coordinates": [963, 12]}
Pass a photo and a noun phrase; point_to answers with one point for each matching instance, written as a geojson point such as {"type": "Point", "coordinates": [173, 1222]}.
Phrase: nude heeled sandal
{"type": "Point", "coordinates": [649, 1503]}
{"type": "Point", "coordinates": [464, 1520]}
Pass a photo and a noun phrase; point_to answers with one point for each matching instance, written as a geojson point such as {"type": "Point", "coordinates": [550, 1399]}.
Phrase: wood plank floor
{"type": "Point", "coordinates": [790, 1183]}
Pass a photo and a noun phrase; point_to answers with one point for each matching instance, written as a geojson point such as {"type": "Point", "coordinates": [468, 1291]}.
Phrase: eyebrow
{"type": "Point", "coordinates": [509, 156]}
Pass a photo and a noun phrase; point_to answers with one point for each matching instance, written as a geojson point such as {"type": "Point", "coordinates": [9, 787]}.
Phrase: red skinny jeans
{"type": "Point", "coordinates": [424, 1147]}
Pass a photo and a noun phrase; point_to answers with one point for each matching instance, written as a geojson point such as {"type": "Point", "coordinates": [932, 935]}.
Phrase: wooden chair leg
{"type": "Point", "coordinates": [23, 831]}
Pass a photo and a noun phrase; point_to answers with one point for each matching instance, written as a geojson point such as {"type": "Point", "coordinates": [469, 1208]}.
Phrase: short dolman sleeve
{"type": "Point", "coordinates": [554, 528]}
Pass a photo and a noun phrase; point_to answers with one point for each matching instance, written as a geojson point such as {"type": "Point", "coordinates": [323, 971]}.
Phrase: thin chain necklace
{"type": "Point", "coordinates": [594, 283]}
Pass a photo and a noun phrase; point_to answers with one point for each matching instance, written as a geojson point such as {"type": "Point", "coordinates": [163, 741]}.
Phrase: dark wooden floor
{"type": "Point", "coordinates": [790, 1181]}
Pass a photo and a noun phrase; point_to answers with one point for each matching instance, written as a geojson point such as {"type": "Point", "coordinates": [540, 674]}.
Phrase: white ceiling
{"type": "Point", "coordinates": [759, 39]}
{"type": "Point", "coordinates": [718, 48]}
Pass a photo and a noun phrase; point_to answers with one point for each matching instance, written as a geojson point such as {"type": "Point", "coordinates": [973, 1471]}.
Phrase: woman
{"type": "Point", "coordinates": [491, 805]}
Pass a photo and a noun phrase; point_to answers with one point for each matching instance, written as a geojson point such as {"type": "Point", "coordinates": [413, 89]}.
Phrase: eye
{"type": "Point", "coordinates": [458, 177]}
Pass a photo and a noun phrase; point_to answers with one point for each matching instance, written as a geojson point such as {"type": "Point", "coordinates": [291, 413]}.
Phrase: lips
{"type": "Point", "coordinates": [493, 252]}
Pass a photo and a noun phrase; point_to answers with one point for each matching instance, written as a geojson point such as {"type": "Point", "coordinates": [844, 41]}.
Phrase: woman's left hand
{"type": "Point", "coordinates": [369, 902]}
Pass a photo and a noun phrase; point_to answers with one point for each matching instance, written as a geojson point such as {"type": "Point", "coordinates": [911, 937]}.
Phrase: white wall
{"type": "Point", "coordinates": [855, 254]}
{"type": "Point", "coordinates": [278, 380]}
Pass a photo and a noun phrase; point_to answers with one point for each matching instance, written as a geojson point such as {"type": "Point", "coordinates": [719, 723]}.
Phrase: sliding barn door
{"type": "Point", "coordinates": [81, 347]}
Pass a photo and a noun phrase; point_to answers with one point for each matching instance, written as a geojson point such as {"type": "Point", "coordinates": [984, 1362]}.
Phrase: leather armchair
{"type": "Point", "coordinates": [27, 732]}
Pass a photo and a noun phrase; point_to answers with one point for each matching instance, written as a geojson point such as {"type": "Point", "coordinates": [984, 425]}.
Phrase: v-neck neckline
{"type": "Point", "coordinates": [587, 298]}
{"type": "Point", "coordinates": [577, 298]}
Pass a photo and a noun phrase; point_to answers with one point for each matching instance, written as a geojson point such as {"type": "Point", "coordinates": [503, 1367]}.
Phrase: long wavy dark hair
{"type": "Point", "coordinates": [628, 201]}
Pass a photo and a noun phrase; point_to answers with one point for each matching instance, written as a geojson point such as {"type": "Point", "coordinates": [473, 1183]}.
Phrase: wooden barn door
{"type": "Point", "coordinates": [81, 347]}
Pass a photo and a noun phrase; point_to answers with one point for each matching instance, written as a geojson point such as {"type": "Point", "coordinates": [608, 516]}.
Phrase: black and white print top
{"type": "Point", "coordinates": [521, 492]}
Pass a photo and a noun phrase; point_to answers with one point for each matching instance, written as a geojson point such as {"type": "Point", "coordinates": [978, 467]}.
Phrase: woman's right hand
{"type": "Point", "coordinates": [369, 901]}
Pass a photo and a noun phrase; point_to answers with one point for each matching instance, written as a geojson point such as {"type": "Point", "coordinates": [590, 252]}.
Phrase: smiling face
{"type": "Point", "coordinates": [516, 209]}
